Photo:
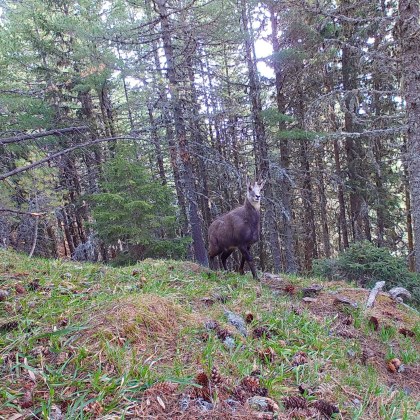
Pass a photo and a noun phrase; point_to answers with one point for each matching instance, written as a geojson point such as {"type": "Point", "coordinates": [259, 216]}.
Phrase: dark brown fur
{"type": "Point", "coordinates": [237, 229]}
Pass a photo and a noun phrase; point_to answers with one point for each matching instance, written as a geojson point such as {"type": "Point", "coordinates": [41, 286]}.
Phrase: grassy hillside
{"type": "Point", "coordinates": [154, 341]}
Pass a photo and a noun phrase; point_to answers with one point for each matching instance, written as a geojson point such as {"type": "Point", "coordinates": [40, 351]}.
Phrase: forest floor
{"type": "Point", "coordinates": [166, 340]}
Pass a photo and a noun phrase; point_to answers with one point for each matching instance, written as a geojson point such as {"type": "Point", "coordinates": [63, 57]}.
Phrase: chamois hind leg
{"type": "Point", "coordinates": [224, 256]}
{"type": "Point", "coordinates": [248, 257]}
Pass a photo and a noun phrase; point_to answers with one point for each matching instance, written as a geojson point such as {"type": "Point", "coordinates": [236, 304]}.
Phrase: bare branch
{"type": "Point", "coordinates": [55, 132]}
{"type": "Point", "coordinates": [26, 213]}
{"type": "Point", "coordinates": [63, 152]}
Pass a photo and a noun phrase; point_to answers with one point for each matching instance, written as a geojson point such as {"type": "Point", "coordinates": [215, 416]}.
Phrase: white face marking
{"type": "Point", "coordinates": [253, 193]}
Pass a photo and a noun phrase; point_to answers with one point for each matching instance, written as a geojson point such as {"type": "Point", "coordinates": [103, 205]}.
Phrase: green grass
{"type": "Point", "coordinates": [94, 333]}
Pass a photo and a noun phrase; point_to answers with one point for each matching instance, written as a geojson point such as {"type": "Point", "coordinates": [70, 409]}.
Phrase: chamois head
{"type": "Point", "coordinates": [253, 192]}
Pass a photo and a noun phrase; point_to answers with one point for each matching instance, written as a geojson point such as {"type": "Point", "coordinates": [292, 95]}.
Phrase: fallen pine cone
{"type": "Point", "coordinates": [261, 332]}
{"type": "Point", "coordinates": [267, 355]}
{"type": "Point", "coordinates": [325, 408]}
{"type": "Point", "coordinates": [249, 317]}
{"type": "Point", "coordinates": [20, 289]}
{"type": "Point", "coordinates": [373, 321]}
{"type": "Point", "coordinates": [95, 408]}
{"type": "Point", "coordinates": [394, 365]}
{"type": "Point", "coordinates": [216, 378]}
{"type": "Point", "coordinates": [202, 379]}
{"type": "Point", "coordinates": [294, 402]}
{"type": "Point", "coordinates": [300, 358]}
{"type": "Point", "coordinates": [406, 332]}
{"type": "Point", "coordinates": [250, 383]}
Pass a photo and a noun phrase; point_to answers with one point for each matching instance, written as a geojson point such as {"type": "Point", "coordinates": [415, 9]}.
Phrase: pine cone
{"type": "Point", "coordinates": [296, 310]}
{"type": "Point", "coordinates": [239, 394]}
{"type": "Point", "coordinates": [295, 402]}
{"type": "Point", "coordinates": [261, 332]}
{"type": "Point", "coordinates": [300, 358]}
{"type": "Point", "coordinates": [267, 355]}
{"type": "Point", "coordinates": [202, 379]}
{"type": "Point", "coordinates": [290, 289]}
{"type": "Point", "coordinates": [262, 392]}
{"type": "Point", "coordinates": [325, 408]}
{"type": "Point", "coordinates": [250, 383]}
{"type": "Point", "coordinates": [216, 378]}
{"type": "Point", "coordinates": [366, 354]}
{"type": "Point", "coordinates": [222, 333]}
{"type": "Point", "coordinates": [249, 317]}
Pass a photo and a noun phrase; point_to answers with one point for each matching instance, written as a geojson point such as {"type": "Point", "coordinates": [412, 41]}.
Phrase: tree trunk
{"type": "Point", "coordinates": [323, 203]}
{"type": "Point", "coordinates": [261, 149]}
{"type": "Point", "coordinates": [408, 31]}
{"type": "Point", "coordinates": [285, 184]}
{"type": "Point", "coordinates": [181, 135]}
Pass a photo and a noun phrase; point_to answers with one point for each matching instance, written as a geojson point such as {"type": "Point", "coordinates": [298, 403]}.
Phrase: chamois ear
{"type": "Point", "coordinates": [261, 183]}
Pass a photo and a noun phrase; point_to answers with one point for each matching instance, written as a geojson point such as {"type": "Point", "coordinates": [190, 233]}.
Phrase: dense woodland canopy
{"type": "Point", "coordinates": [157, 109]}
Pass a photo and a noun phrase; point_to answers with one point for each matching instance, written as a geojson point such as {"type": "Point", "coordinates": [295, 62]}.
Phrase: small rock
{"type": "Point", "coordinates": [232, 403]}
{"type": "Point", "coordinates": [407, 390]}
{"type": "Point", "coordinates": [229, 343]}
{"type": "Point", "coordinates": [309, 300]}
{"type": "Point", "coordinates": [356, 402]}
{"type": "Point", "coordinates": [262, 404]}
{"type": "Point", "coordinates": [204, 405]}
{"type": "Point", "coordinates": [237, 321]}
{"type": "Point", "coordinates": [3, 295]}
{"type": "Point", "coordinates": [312, 290]}
{"type": "Point", "coordinates": [399, 292]}
{"type": "Point", "coordinates": [401, 369]}
{"type": "Point", "coordinates": [184, 402]}
{"type": "Point", "coordinates": [55, 413]}
{"type": "Point", "coordinates": [351, 353]}
{"type": "Point", "coordinates": [345, 301]}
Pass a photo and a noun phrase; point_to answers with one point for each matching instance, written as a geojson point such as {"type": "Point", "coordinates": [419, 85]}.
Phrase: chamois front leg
{"type": "Point", "coordinates": [248, 257]}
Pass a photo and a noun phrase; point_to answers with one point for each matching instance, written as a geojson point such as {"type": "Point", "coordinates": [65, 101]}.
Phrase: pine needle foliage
{"type": "Point", "coordinates": [136, 214]}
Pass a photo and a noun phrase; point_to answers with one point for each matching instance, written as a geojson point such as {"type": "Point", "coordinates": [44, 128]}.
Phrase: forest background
{"type": "Point", "coordinates": [128, 126]}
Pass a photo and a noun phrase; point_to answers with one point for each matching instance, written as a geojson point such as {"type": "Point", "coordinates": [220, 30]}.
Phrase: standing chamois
{"type": "Point", "coordinates": [240, 228]}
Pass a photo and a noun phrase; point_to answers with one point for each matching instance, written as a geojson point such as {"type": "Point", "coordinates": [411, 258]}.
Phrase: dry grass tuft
{"type": "Point", "coordinates": [148, 324]}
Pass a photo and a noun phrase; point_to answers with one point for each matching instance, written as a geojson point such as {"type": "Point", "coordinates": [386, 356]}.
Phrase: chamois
{"type": "Point", "coordinates": [240, 228]}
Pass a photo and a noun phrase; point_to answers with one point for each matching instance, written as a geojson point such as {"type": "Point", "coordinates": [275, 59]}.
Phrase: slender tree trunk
{"type": "Point", "coordinates": [408, 31]}
{"type": "Point", "coordinates": [181, 135]}
{"type": "Point", "coordinates": [323, 203]}
{"type": "Point", "coordinates": [354, 149]}
{"type": "Point", "coordinates": [263, 166]}
{"type": "Point", "coordinates": [285, 184]}
{"type": "Point", "coordinates": [155, 141]}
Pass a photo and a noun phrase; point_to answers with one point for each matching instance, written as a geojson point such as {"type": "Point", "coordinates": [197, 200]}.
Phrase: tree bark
{"type": "Point", "coordinates": [261, 146]}
{"type": "Point", "coordinates": [284, 181]}
{"type": "Point", "coordinates": [200, 253]}
{"type": "Point", "coordinates": [408, 32]}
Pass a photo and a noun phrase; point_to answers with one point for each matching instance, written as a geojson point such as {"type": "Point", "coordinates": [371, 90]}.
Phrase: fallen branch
{"type": "Point", "coordinates": [26, 213]}
{"type": "Point", "coordinates": [373, 293]}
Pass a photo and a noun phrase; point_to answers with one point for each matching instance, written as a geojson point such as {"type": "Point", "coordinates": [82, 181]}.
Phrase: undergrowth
{"type": "Point", "coordinates": [90, 341]}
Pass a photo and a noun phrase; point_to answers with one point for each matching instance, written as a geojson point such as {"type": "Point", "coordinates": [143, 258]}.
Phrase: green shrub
{"type": "Point", "coordinates": [366, 264]}
{"type": "Point", "coordinates": [136, 215]}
